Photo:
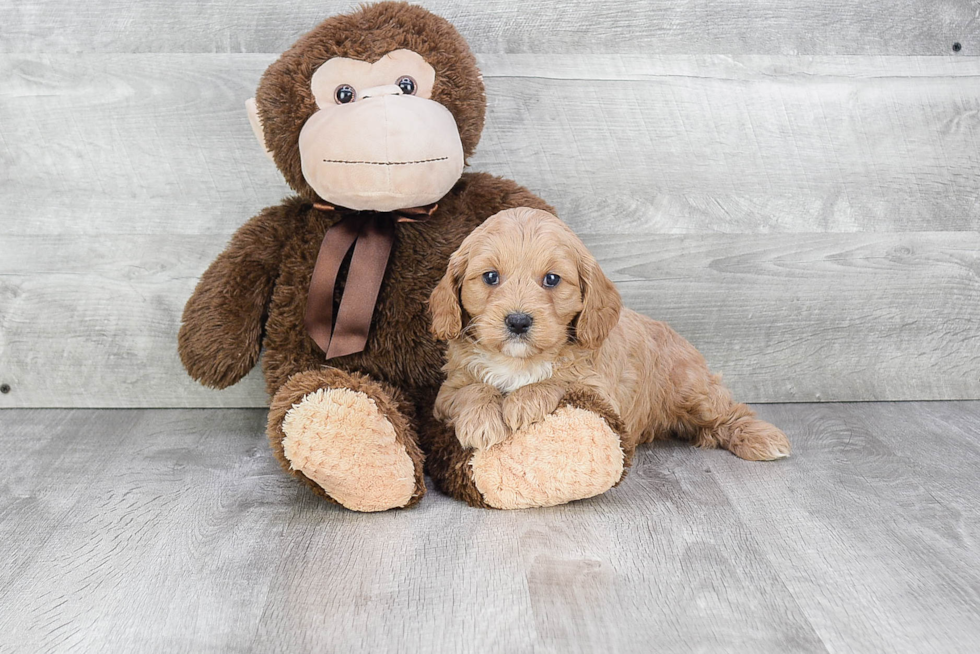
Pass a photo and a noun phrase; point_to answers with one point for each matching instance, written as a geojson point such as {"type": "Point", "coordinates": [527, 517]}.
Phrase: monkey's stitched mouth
{"type": "Point", "coordinates": [385, 163]}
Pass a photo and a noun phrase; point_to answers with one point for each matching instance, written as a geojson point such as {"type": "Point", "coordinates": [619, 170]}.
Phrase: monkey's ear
{"type": "Point", "coordinates": [253, 118]}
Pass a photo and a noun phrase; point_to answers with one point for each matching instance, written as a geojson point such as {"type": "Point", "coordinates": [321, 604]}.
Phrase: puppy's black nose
{"type": "Point", "coordinates": [518, 323]}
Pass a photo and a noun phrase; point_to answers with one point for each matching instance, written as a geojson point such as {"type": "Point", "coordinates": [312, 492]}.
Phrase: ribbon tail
{"type": "Point", "coordinates": [319, 301]}
{"type": "Point", "coordinates": [367, 269]}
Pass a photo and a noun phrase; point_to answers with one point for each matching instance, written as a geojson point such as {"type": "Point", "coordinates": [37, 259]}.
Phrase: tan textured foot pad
{"type": "Point", "coordinates": [339, 439]}
{"type": "Point", "coordinates": [571, 455]}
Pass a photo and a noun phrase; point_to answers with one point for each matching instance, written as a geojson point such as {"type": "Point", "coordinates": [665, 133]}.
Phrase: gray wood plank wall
{"type": "Point", "coordinates": [794, 186]}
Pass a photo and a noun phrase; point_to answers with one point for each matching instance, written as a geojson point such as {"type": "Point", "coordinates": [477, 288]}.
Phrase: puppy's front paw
{"type": "Point", "coordinates": [480, 428]}
{"type": "Point", "coordinates": [530, 404]}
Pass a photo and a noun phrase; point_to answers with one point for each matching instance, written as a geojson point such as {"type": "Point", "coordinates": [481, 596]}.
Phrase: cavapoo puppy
{"type": "Point", "coordinates": [528, 314]}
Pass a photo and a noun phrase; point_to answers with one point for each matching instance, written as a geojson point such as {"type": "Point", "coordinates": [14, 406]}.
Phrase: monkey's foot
{"type": "Point", "coordinates": [571, 455]}
{"type": "Point", "coordinates": [338, 439]}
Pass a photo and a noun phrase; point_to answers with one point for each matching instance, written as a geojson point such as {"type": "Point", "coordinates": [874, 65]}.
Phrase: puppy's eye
{"type": "Point", "coordinates": [551, 280]}
{"type": "Point", "coordinates": [345, 93]}
{"type": "Point", "coordinates": [491, 278]}
{"type": "Point", "coordinates": [407, 85]}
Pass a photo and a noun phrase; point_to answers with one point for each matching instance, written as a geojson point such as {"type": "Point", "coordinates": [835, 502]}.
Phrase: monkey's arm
{"type": "Point", "coordinates": [221, 329]}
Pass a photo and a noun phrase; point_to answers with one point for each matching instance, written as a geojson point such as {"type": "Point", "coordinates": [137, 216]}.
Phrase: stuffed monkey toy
{"type": "Point", "coordinates": [370, 118]}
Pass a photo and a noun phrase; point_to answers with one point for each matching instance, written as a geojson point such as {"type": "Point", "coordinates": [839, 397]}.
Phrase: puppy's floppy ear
{"type": "Point", "coordinates": [601, 303]}
{"type": "Point", "coordinates": [444, 305]}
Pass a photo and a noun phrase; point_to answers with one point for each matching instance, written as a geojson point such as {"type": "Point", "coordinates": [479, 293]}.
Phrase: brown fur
{"type": "Point", "coordinates": [654, 379]}
{"type": "Point", "coordinates": [285, 100]}
{"type": "Point", "coordinates": [253, 296]}
{"type": "Point", "coordinates": [389, 400]}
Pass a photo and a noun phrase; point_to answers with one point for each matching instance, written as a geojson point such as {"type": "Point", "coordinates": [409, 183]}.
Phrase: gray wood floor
{"type": "Point", "coordinates": [173, 530]}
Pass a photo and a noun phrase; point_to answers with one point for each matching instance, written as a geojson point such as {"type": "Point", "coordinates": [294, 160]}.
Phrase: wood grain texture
{"type": "Point", "coordinates": [705, 183]}
{"type": "Point", "coordinates": [897, 523]}
{"type": "Point", "coordinates": [160, 143]}
{"type": "Point", "coordinates": [540, 26]}
{"type": "Point", "coordinates": [742, 144]}
{"type": "Point", "coordinates": [815, 317]}
{"type": "Point", "coordinates": [174, 531]}
{"type": "Point", "coordinates": [92, 321]}
{"type": "Point", "coordinates": [131, 144]}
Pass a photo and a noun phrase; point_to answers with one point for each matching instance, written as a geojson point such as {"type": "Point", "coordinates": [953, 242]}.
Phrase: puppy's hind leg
{"type": "Point", "coordinates": [711, 418]}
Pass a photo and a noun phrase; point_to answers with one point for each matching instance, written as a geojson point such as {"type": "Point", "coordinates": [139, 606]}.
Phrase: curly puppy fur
{"type": "Point", "coordinates": [499, 381]}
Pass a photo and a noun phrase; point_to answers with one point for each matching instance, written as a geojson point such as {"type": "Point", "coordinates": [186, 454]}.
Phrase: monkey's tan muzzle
{"type": "Point", "coordinates": [385, 151]}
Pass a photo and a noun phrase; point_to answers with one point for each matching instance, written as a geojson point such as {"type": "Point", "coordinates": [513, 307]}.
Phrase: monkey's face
{"type": "Point", "coordinates": [373, 110]}
{"type": "Point", "coordinates": [377, 140]}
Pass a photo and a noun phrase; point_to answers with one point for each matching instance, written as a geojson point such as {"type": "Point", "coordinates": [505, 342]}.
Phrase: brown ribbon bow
{"type": "Point", "coordinates": [371, 234]}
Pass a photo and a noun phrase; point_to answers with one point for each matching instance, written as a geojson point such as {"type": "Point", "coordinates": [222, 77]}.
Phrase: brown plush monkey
{"type": "Point", "coordinates": [369, 117]}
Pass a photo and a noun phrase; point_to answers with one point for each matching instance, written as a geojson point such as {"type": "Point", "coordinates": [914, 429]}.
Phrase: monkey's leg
{"type": "Point", "coordinates": [578, 451]}
{"type": "Point", "coordinates": [347, 437]}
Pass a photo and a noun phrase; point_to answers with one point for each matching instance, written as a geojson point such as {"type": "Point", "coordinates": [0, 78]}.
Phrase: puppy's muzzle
{"type": "Point", "coordinates": [518, 323]}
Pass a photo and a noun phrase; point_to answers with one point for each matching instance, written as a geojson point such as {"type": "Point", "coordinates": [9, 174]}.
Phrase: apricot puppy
{"type": "Point", "coordinates": [528, 314]}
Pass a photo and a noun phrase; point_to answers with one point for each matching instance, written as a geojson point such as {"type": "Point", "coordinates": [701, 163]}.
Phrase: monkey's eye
{"type": "Point", "coordinates": [407, 85]}
{"type": "Point", "coordinates": [491, 278]}
{"type": "Point", "coordinates": [345, 93]}
{"type": "Point", "coordinates": [551, 280]}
